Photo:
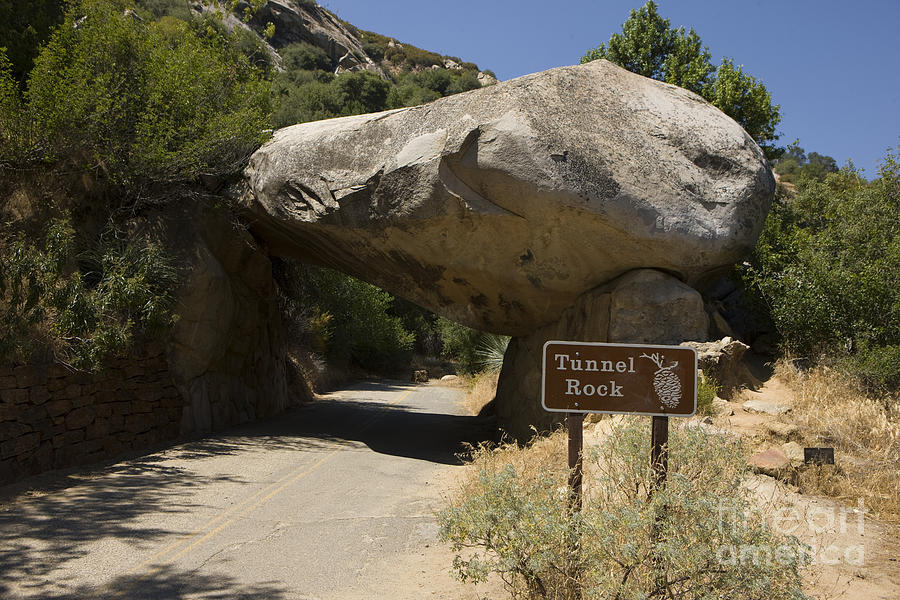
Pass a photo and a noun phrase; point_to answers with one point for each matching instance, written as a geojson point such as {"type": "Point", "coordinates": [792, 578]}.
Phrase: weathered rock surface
{"type": "Point", "coordinates": [295, 22]}
{"type": "Point", "coordinates": [226, 354]}
{"type": "Point", "coordinates": [766, 407]}
{"type": "Point", "coordinates": [772, 462]}
{"type": "Point", "coordinates": [794, 452]}
{"type": "Point", "coordinates": [672, 313]}
{"type": "Point", "coordinates": [722, 360]}
{"type": "Point", "coordinates": [500, 207]}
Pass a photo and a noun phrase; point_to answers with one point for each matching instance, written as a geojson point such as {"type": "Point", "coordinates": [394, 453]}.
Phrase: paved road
{"type": "Point", "coordinates": [334, 500]}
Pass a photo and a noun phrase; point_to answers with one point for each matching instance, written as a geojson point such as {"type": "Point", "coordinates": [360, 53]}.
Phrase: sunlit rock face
{"type": "Point", "coordinates": [501, 206]}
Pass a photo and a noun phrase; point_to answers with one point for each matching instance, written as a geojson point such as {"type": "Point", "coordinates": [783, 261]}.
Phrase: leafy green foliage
{"type": "Point", "coordinates": [460, 343]}
{"type": "Point", "coordinates": [24, 26]}
{"type": "Point", "coordinates": [420, 322]}
{"type": "Point", "coordinates": [649, 46]}
{"type": "Point", "coordinates": [314, 99]}
{"type": "Point", "coordinates": [308, 91]}
{"type": "Point", "coordinates": [156, 9]}
{"type": "Point", "coordinates": [149, 103]}
{"type": "Point", "coordinates": [692, 538]}
{"type": "Point", "coordinates": [491, 350]}
{"type": "Point", "coordinates": [707, 390]}
{"type": "Point", "coordinates": [303, 56]}
{"type": "Point", "coordinates": [14, 127]}
{"type": "Point", "coordinates": [352, 319]}
{"type": "Point", "coordinates": [746, 100]}
{"type": "Point", "coordinates": [828, 266]}
{"type": "Point", "coordinates": [84, 310]}
{"type": "Point", "coordinates": [443, 82]}
{"type": "Point", "coordinates": [794, 164]}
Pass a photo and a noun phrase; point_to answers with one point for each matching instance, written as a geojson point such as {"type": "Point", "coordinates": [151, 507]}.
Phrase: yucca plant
{"type": "Point", "coordinates": [490, 351]}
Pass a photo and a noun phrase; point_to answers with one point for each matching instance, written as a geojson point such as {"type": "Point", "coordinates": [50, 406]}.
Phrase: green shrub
{"type": "Point", "coordinates": [442, 82]}
{"type": "Point", "coordinates": [410, 94]}
{"type": "Point", "coordinates": [877, 369]}
{"type": "Point", "coordinates": [148, 103]}
{"type": "Point", "coordinates": [473, 350]}
{"type": "Point", "coordinates": [304, 56]}
{"type": "Point", "coordinates": [374, 51]}
{"type": "Point", "coordinates": [795, 164]}
{"type": "Point", "coordinates": [460, 343]}
{"type": "Point", "coordinates": [16, 139]}
{"type": "Point", "coordinates": [490, 352]}
{"type": "Point", "coordinates": [828, 267]}
{"type": "Point", "coordinates": [343, 95]}
{"type": "Point", "coordinates": [87, 309]}
{"type": "Point", "coordinates": [707, 390]}
{"type": "Point", "coordinates": [157, 9]}
{"type": "Point", "coordinates": [700, 536]}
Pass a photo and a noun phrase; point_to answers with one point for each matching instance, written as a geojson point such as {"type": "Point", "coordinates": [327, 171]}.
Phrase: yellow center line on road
{"type": "Point", "coordinates": [293, 476]}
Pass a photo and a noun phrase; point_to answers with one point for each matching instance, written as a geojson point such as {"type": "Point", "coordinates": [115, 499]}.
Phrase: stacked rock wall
{"type": "Point", "coordinates": [51, 417]}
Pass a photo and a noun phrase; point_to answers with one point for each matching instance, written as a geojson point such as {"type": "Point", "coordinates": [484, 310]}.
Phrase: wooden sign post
{"type": "Point", "coordinates": [595, 377]}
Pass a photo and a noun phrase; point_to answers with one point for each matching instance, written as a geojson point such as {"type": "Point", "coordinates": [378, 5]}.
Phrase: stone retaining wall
{"type": "Point", "coordinates": [51, 417]}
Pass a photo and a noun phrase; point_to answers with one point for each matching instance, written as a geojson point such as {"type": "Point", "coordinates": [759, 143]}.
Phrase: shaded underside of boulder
{"type": "Point", "coordinates": [500, 207]}
{"type": "Point", "coordinates": [644, 306]}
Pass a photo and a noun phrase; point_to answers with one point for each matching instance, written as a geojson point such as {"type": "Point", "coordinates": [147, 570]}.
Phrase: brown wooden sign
{"type": "Point", "coordinates": [595, 377]}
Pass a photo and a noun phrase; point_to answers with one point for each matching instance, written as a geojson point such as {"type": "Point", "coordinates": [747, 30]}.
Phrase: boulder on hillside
{"type": "Point", "coordinates": [500, 207]}
{"type": "Point", "coordinates": [723, 361]}
{"type": "Point", "coordinates": [301, 22]}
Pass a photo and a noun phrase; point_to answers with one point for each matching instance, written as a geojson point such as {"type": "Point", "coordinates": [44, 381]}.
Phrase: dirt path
{"type": "Point", "coordinates": [855, 556]}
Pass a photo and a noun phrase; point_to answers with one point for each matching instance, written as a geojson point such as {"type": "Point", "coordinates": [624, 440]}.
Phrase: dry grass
{"type": "Point", "coordinates": [482, 389]}
{"type": "Point", "coordinates": [864, 432]}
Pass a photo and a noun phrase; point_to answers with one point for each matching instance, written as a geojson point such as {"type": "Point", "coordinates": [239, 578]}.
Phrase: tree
{"type": "Point", "coordinates": [24, 26]}
{"type": "Point", "coordinates": [794, 164]}
{"type": "Point", "coordinates": [151, 103]}
{"type": "Point", "coordinates": [649, 46]}
{"type": "Point", "coordinates": [828, 267]}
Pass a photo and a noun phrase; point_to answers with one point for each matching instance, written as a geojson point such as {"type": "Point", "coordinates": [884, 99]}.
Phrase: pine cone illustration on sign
{"type": "Point", "coordinates": [665, 383]}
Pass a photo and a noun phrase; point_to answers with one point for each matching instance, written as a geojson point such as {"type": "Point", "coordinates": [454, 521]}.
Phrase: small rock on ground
{"type": "Point", "coordinates": [794, 452]}
{"type": "Point", "coordinates": [769, 408]}
{"type": "Point", "coordinates": [784, 430]}
{"type": "Point", "coordinates": [769, 462]}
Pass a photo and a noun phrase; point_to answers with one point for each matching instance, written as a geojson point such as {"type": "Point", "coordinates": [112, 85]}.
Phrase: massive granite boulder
{"type": "Point", "coordinates": [502, 206]}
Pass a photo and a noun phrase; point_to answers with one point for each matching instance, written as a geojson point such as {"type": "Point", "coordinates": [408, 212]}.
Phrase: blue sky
{"type": "Point", "coordinates": [831, 65]}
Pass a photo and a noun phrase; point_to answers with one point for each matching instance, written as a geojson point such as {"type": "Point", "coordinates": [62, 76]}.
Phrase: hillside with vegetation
{"type": "Point", "coordinates": [115, 112]}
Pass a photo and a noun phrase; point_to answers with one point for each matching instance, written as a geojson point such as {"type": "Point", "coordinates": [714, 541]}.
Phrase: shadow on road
{"type": "Point", "coordinates": [395, 429]}
{"type": "Point", "coordinates": [47, 527]}
{"type": "Point", "coordinates": [102, 504]}
{"type": "Point", "coordinates": [167, 583]}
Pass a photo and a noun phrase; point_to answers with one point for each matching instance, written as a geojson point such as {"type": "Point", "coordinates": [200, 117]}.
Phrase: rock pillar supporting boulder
{"type": "Point", "coordinates": [641, 307]}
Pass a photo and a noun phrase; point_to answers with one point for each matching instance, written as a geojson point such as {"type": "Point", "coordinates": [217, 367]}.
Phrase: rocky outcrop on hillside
{"type": "Point", "coordinates": [308, 22]}
{"type": "Point", "coordinates": [300, 22]}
